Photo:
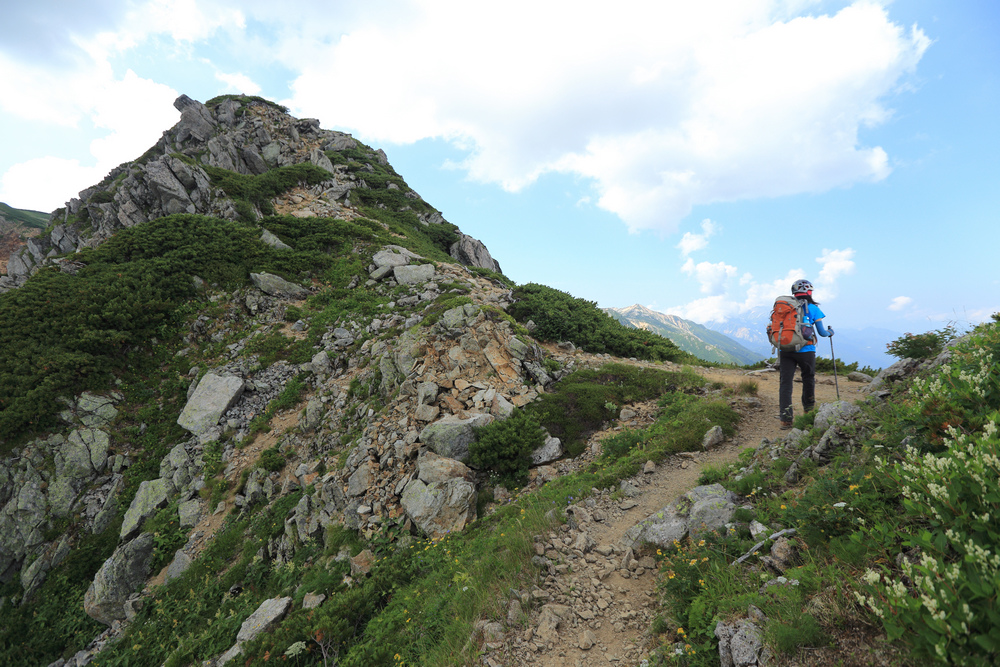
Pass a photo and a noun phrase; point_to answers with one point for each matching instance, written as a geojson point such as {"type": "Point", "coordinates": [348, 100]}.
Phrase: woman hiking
{"type": "Point", "coordinates": [804, 359]}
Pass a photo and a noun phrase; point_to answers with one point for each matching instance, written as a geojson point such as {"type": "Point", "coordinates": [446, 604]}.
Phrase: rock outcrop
{"type": "Point", "coordinates": [245, 136]}
{"type": "Point", "coordinates": [120, 576]}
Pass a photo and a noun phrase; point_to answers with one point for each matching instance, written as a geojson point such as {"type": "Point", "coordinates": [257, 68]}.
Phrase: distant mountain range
{"type": "Point", "coordinates": [687, 335]}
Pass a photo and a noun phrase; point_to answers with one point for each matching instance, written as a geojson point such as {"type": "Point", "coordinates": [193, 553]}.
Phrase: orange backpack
{"type": "Point", "coordinates": [788, 330]}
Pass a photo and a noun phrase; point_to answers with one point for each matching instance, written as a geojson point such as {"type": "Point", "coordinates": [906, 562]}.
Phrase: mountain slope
{"type": "Point", "coordinates": [17, 216]}
{"type": "Point", "coordinates": [689, 336]}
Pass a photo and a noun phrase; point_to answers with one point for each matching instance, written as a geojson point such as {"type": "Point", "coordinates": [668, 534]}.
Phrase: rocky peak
{"type": "Point", "coordinates": [249, 136]}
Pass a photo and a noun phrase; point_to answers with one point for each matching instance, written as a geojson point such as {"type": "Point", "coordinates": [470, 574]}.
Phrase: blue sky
{"type": "Point", "coordinates": [695, 158]}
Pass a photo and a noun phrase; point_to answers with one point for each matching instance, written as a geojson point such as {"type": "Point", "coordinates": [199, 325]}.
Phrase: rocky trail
{"type": "Point", "coordinates": [597, 610]}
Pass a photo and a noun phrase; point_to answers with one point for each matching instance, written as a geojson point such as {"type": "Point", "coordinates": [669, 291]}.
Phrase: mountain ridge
{"type": "Point", "coordinates": [689, 336]}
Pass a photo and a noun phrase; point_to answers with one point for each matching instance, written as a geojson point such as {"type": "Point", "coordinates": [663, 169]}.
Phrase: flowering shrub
{"type": "Point", "coordinates": [943, 598]}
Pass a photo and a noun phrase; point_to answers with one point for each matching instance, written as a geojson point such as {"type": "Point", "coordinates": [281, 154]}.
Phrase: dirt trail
{"type": "Point", "coordinates": [609, 607]}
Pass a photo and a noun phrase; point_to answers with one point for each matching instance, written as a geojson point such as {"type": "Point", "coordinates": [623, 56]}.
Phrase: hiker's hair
{"type": "Point", "coordinates": [809, 298]}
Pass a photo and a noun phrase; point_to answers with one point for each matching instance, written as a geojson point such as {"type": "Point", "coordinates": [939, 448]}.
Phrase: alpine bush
{"type": "Point", "coordinates": [558, 316]}
{"type": "Point", "coordinates": [921, 346]}
{"type": "Point", "coordinates": [504, 447]}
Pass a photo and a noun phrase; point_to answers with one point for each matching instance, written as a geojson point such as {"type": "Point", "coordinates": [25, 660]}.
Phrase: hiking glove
{"type": "Point", "coordinates": [829, 330]}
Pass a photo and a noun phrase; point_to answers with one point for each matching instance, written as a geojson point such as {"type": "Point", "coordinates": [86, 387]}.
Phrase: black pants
{"type": "Point", "coordinates": [806, 363]}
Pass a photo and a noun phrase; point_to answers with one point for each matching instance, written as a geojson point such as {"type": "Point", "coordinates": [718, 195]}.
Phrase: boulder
{"type": "Point", "coordinates": [120, 576]}
{"type": "Point", "coordinates": [472, 252]}
{"type": "Point", "coordinates": [358, 483]}
{"type": "Point", "coordinates": [268, 283]}
{"type": "Point", "coordinates": [392, 256]}
{"type": "Point", "coordinates": [267, 615]}
{"type": "Point", "coordinates": [211, 398]}
{"type": "Point", "coordinates": [433, 468]}
{"type": "Point", "coordinates": [451, 436]}
{"type": "Point", "coordinates": [702, 509]}
{"type": "Point", "coordinates": [273, 241]}
{"type": "Point", "coordinates": [837, 412]}
{"type": "Point", "coordinates": [151, 496]}
{"type": "Point", "coordinates": [413, 274]}
{"type": "Point", "coordinates": [178, 566]}
{"type": "Point", "coordinates": [95, 411]}
{"type": "Point", "coordinates": [313, 415]}
{"type": "Point", "coordinates": [550, 450]}
{"type": "Point", "coordinates": [713, 438]}
{"type": "Point", "coordinates": [740, 644]}
{"type": "Point", "coordinates": [189, 512]}
{"type": "Point", "coordinates": [439, 508]}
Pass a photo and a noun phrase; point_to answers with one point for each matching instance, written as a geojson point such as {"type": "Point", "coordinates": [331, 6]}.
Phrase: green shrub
{"type": "Point", "coordinates": [561, 317]}
{"type": "Point", "coordinates": [504, 447]}
{"type": "Point", "coordinates": [921, 346]}
{"type": "Point", "coordinates": [271, 459]}
{"type": "Point", "coordinates": [583, 401]}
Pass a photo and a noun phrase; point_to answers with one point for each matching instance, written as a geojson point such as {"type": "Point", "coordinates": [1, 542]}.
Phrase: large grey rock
{"type": "Point", "coordinates": [95, 411]}
{"type": "Point", "coordinates": [393, 256]}
{"type": "Point", "coordinates": [359, 481]}
{"type": "Point", "coordinates": [893, 373]}
{"type": "Point", "coordinates": [433, 468]}
{"type": "Point", "coordinates": [837, 412]}
{"type": "Point", "coordinates": [550, 450]}
{"type": "Point", "coordinates": [178, 566]}
{"type": "Point", "coordinates": [451, 436]}
{"type": "Point", "coordinates": [151, 496]}
{"type": "Point", "coordinates": [267, 615]}
{"type": "Point", "coordinates": [120, 576]}
{"type": "Point", "coordinates": [703, 508]}
{"type": "Point", "coordinates": [83, 454]}
{"type": "Point", "coordinates": [273, 241]}
{"type": "Point", "coordinates": [313, 415]}
{"type": "Point", "coordinates": [713, 438]}
{"type": "Point", "coordinates": [189, 512]}
{"type": "Point", "coordinates": [213, 396]}
{"type": "Point", "coordinates": [413, 275]}
{"type": "Point", "coordinates": [740, 643]}
{"type": "Point", "coordinates": [278, 286]}
{"type": "Point", "coordinates": [196, 120]}
{"type": "Point", "coordinates": [472, 252]}
{"type": "Point", "coordinates": [440, 508]}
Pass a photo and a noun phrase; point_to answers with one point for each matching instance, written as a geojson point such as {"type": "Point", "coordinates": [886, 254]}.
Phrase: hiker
{"type": "Point", "coordinates": [804, 358]}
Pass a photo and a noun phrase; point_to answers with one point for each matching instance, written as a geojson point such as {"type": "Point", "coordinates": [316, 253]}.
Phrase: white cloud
{"type": "Point", "coordinates": [44, 184]}
{"type": "Point", "coordinates": [835, 263]}
{"type": "Point", "coordinates": [663, 105]}
{"type": "Point", "coordinates": [238, 83]}
{"type": "Point", "coordinates": [712, 277]}
{"type": "Point", "coordinates": [131, 111]}
{"type": "Point", "coordinates": [691, 242]}
{"type": "Point", "coordinates": [900, 302]}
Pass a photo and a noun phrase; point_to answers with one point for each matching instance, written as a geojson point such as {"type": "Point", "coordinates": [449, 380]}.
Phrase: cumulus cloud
{"type": "Point", "coordinates": [238, 83]}
{"type": "Point", "coordinates": [131, 111]}
{"type": "Point", "coordinates": [711, 277]}
{"type": "Point", "coordinates": [664, 106]}
{"type": "Point", "coordinates": [728, 298]}
{"type": "Point", "coordinates": [660, 106]}
{"type": "Point", "coordinates": [834, 263]}
{"type": "Point", "coordinates": [900, 302]}
{"type": "Point", "coordinates": [691, 242]}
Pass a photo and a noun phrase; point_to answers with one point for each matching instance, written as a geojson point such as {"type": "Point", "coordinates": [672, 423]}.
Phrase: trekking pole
{"type": "Point", "coordinates": [832, 356]}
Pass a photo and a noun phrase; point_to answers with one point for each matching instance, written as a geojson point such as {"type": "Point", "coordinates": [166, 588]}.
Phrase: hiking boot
{"type": "Point", "coordinates": [786, 426]}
